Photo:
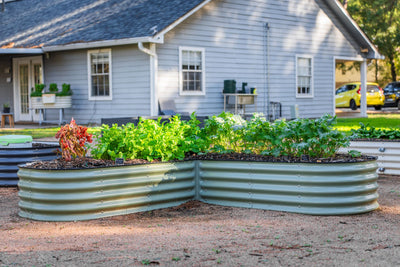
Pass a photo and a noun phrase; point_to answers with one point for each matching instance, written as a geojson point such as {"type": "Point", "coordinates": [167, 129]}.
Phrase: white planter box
{"type": "Point", "coordinates": [49, 98]}
{"type": "Point", "coordinates": [60, 102]}
{"type": "Point", "coordinates": [388, 153]}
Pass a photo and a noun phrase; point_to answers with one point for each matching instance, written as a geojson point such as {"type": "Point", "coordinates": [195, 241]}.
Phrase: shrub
{"type": "Point", "coordinates": [38, 90]}
{"type": "Point", "coordinates": [65, 91]}
{"type": "Point", "coordinates": [72, 140]}
{"type": "Point", "coordinates": [53, 88]}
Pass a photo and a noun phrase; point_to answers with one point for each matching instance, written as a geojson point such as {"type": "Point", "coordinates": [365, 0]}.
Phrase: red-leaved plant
{"type": "Point", "coordinates": [72, 140]}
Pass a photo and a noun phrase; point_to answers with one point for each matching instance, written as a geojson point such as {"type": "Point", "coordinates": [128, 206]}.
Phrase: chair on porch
{"type": "Point", "coordinates": [167, 107]}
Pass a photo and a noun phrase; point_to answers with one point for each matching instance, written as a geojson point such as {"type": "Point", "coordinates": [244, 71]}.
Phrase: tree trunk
{"type": "Point", "coordinates": [392, 68]}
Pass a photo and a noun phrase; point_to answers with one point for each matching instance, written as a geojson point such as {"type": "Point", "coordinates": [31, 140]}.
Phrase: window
{"type": "Point", "coordinates": [304, 79]}
{"type": "Point", "coordinates": [191, 71]}
{"type": "Point", "coordinates": [99, 68]}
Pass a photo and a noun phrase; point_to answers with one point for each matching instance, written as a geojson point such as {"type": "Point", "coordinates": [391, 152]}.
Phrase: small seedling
{"type": "Point", "coordinates": [176, 259]}
{"type": "Point", "coordinates": [217, 251]}
{"type": "Point", "coordinates": [146, 262]}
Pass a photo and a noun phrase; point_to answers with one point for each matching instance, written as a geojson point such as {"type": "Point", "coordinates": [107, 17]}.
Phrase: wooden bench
{"type": "Point", "coordinates": [10, 119]}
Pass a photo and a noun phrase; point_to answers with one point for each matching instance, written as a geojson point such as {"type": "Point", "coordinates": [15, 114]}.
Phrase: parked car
{"type": "Point", "coordinates": [392, 94]}
{"type": "Point", "coordinates": [349, 96]}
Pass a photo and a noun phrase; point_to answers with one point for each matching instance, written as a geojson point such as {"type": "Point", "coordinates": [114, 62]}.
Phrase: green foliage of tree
{"type": "Point", "coordinates": [380, 20]}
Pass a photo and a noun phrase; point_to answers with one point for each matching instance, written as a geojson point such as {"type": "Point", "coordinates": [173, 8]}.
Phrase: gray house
{"type": "Point", "coordinates": [122, 56]}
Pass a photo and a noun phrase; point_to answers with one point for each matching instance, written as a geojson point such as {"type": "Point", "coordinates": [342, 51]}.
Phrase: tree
{"type": "Point", "coordinates": [380, 20]}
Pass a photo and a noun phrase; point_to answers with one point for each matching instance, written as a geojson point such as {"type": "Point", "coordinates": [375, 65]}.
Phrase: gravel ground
{"type": "Point", "coordinates": [198, 234]}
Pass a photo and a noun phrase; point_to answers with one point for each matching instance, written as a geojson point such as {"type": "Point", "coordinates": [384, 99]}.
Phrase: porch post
{"type": "Point", "coordinates": [363, 104]}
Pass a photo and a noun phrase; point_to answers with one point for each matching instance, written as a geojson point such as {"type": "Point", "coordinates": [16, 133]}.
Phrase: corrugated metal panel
{"type": "Point", "coordinates": [388, 154]}
{"type": "Point", "coordinates": [95, 193]}
{"type": "Point", "coordinates": [320, 189]}
{"type": "Point", "coordinates": [10, 158]}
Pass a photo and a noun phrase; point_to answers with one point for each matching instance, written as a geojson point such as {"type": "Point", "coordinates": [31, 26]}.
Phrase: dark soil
{"type": "Point", "coordinates": [87, 163]}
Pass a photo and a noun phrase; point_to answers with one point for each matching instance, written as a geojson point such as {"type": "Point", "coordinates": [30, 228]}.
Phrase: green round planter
{"type": "Point", "coordinates": [319, 189]}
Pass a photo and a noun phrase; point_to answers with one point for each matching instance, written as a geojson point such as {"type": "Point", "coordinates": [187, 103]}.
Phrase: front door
{"type": "Point", "coordinates": [27, 73]}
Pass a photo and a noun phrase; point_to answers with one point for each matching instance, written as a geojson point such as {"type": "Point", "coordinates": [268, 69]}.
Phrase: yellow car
{"type": "Point", "coordinates": [349, 96]}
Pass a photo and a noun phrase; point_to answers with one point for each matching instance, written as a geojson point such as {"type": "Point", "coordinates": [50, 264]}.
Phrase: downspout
{"type": "Point", "coordinates": [266, 106]}
{"type": "Point", "coordinates": [153, 76]}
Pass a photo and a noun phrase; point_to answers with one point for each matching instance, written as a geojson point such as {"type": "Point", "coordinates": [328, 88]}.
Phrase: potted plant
{"type": "Point", "coordinates": [50, 97]}
{"type": "Point", "coordinates": [6, 108]}
{"type": "Point", "coordinates": [36, 96]}
{"type": "Point", "coordinates": [288, 166]}
{"type": "Point", "coordinates": [53, 98]}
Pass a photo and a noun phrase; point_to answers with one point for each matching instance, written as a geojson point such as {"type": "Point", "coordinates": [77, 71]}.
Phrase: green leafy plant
{"type": "Point", "coordinates": [369, 132]}
{"type": "Point", "coordinates": [149, 140]}
{"type": "Point", "coordinates": [53, 88]}
{"type": "Point", "coordinates": [65, 91]}
{"type": "Point", "coordinates": [38, 90]}
{"type": "Point", "coordinates": [72, 140]}
{"type": "Point", "coordinates": [302, 137]}
{"type": "Point", "coordinates": [6, 105]}
{"type": "Point", "coordinates": [225, 133]}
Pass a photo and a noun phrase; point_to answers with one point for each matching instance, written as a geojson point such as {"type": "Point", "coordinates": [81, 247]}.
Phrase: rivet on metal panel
{"type": "Point", "coordinates": [382, 149]}
{"type": "Point", "coordinates": [381, 169]}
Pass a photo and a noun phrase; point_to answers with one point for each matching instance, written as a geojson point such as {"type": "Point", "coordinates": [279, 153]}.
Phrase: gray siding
{"type": "Point", "coordinates": [234, 37]}
{"type": "Point", "coordinates": [130, 84]}
{"type": "Point", "coordinates": [6, 89]}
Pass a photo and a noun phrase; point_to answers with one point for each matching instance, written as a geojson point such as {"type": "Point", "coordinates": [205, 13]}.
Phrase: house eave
{"type": "Point", "coordinates": [21, 51]}
{"type": "Point", "coordinates": [107, 43]}
{"type": "Point", "coordinates": [181, 19]}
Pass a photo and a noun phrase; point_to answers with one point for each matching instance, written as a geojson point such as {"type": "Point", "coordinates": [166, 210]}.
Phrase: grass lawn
{"type": "Point", "coordinates": [40, 132]}
{"type": "Point", "coordinates": [381, 121]}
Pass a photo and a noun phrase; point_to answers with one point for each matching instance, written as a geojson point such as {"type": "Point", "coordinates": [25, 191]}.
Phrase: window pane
{"type": "Point", "coordinates": [191, 70]}
{"type": "Point", "coordinates": [100, 69]}
{"type": "Point", "coordinates": [94, 86]}
{"type": "Point", "coordinates": [304, 76]}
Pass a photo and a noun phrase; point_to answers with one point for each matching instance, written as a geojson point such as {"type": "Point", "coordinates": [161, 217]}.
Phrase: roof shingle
{"type": "Point", "coordinates": [38, 23]}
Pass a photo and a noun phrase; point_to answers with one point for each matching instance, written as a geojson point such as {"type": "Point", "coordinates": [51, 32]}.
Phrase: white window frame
{"type": "Point", "coordinates": [203, 71]}
{"type": "Point", "coordinates": [89, 53]}
{"type": "Point", "coordinates": [311, 94]}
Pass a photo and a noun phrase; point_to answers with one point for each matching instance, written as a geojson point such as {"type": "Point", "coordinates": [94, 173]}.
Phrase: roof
{"type": "Point", "coordinates": [51, 25]}
{"type": "Point", "coordinates": [44, 23]}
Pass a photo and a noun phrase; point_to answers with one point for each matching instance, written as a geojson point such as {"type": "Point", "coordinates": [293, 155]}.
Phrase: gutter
{"type": "Point", "coordinates": [20, 51]}
{"type": "Point", "coordinates": [88, 45]}
{"type": "Point", "coordinates": [153, 76]}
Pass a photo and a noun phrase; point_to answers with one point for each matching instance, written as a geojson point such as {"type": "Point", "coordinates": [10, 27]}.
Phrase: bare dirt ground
{"type": "Point", "coordinates": [198, 234]}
